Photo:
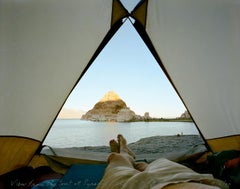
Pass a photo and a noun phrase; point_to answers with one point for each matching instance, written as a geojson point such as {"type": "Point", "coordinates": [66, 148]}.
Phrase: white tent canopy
{"type": "Point", "coordinates": [199, 45]}
{"type": "Point", "coordinates": [46, 46]}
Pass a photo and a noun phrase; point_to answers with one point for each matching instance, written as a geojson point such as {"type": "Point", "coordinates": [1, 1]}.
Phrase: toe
{"type": "Point", "coordinates": [114, 146]}
{"type": "Point", "coordinates": [121, 140]}
{"type": "Point", "coordinates": [111, 142]}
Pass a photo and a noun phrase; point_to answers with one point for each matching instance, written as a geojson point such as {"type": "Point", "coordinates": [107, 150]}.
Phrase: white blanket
{"type": "Point", "coordinates": [158, 174]}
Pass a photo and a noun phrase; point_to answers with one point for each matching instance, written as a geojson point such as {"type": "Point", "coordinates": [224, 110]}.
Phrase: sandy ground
{"type": "Point", "coordinates": [151, 148]}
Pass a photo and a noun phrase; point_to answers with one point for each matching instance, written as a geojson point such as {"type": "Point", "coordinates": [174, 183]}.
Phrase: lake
{"type": "Point", "coordinates": [78, 133]}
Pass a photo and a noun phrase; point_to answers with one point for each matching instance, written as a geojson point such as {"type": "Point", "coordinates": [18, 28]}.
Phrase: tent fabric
{"type": "Point", "coordinates": [16, 152]}
{"type": "Point", "coordinates": [118, 11]}
{"type": "Point", "coordinates": [62, 164]}
{"type": "Point", "coordinates": [224, 143]}
{"type": "Point", "coordinates": [42, 56]}
{"type": "Point", "coordinates": [46, 47]}
{"type": "Point", "coordinates": [199, 44]}
{"type": "Point", "coordinates": [140, 13]}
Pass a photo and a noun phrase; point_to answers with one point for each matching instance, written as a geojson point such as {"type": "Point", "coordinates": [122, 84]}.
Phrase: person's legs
{"type": "Point", "coordinates": [123, 146]}
{"type": "Point", "coordinates": [122, 172]}
{"type": "Point", "coordinates": [120, 165]}
{"type": "Point", "coordinates": [120, 155]}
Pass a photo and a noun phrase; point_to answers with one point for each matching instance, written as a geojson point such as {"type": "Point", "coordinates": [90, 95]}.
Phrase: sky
{"type": "Point", "coordinates": [127, 67]}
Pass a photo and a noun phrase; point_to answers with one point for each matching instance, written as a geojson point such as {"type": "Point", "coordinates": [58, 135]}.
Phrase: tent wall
{"type": "Point", "coordinates": [42, 57]}
{"type": "Point", "coordinates": [225, 143]}
{"type": "Point", "coordinates": [16, 152]}
{"type": "Point", "coordinates": [45, 46]}
{"type": "Point", "coordinates": [199, 45]}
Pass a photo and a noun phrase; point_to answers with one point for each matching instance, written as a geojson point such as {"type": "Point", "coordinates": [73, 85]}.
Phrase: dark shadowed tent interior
{"type": "Point", "coordinates": [197, 45]}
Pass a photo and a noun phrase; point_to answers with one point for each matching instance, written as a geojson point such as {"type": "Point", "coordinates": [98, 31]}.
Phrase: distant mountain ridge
{"type": "Point", "coordinates": [66, 113]}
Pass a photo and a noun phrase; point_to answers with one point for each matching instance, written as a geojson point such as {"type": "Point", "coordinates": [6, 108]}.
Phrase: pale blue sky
{"type": "Point", "coordinates": [127, 67]}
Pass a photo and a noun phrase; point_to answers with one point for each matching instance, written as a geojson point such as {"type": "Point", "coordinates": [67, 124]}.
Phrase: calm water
{"type": "Point", "coordinates": [78, 133]}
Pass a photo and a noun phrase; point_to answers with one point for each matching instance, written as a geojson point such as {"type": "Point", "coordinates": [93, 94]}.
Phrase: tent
{"type": "Point", "coordinates": [47, 46]}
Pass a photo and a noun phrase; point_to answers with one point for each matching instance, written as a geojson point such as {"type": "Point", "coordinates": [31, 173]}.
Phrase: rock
{"type": "Point", "coordinates": [125, 114]}
{"type": "Point", "coordinates": [146, 116]}
{"type": "Point", "coordinates": [110, 108]}
{"type": "Point", "coordinates": [185, 115]}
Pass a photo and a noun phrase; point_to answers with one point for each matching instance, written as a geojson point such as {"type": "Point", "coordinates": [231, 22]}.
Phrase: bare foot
{"type": "Point", "coordinates": [114, 146]}
{"type": "Point", "coordinates": [123, 146]}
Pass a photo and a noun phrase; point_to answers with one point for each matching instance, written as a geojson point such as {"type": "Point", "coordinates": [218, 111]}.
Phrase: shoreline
{"type": "Point", "coordinates": [149, 120]}
{"type": "Point", "coordinates": [172, 147]}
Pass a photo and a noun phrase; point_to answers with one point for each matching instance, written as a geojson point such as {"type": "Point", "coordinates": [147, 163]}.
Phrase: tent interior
{"type": "Point", "coordinates": [196, 44]}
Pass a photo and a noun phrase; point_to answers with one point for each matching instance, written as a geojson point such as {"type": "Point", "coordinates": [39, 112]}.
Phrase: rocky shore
{"type": "Point", "coordinates": [171, 147]}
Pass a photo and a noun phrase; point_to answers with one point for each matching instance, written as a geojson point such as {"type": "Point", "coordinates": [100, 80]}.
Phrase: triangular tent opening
{"type": "Point", "coordinates": [197, 45]}
{"type": "Point", "coordinates": [127, 67]}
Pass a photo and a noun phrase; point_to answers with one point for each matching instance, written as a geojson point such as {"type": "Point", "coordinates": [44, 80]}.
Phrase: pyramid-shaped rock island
{"type": "Point", "coordinates": [111, 108]}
